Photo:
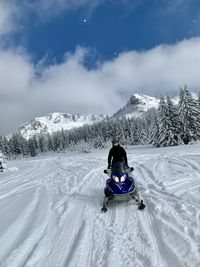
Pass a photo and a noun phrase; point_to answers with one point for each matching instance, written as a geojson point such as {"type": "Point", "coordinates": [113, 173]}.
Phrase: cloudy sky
{"type": "Point", "coordinates": [89, 56]}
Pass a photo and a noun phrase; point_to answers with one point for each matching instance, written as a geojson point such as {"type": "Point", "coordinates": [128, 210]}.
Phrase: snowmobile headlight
{"type": "Point", "coordinates": [123, 178]}
{"type": "Point", "coordinates": [116, 179]}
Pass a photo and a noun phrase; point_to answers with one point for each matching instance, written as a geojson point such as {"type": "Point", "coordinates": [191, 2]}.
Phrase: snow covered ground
{"type": "Point", "coordinates": [50, 211]}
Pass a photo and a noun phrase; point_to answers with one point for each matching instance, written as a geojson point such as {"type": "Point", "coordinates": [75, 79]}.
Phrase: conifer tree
{"type": "Point", "coordinates": [189, 116]}
{"type": "Point", "coordinates": [32, 147]}
{"type": "Point", "coordinates": [162, 111]}
{"type": "Point", "coordinates": [50, 146]}
{"type": "Point", "coordinates": [173, 122]}
{"type": "Point", "coordinates": [41, 143]}
{"type": "Point", "coordinates": [1, 144]}
{"type": "Point", "coordinates": [168, 133]}
{"type": "Point", "coordinates": [155, 133]}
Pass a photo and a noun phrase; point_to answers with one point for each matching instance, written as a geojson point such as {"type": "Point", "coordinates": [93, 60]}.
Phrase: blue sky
{"type": "Point", "coordinates": [109, 28]}
{"type": "Point", "coordinates": [83, 56]}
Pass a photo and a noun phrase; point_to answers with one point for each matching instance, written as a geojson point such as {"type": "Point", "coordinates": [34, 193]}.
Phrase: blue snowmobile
{"type": "Point", "coordinates": [120, 186]}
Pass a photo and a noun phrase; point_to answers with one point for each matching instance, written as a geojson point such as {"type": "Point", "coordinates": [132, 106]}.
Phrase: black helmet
{"type": "Point", "coordinates": [115, 140]}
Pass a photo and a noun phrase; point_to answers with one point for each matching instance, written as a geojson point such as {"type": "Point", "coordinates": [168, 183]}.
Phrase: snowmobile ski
{"type": "Point", "coordinates": [141, 206]}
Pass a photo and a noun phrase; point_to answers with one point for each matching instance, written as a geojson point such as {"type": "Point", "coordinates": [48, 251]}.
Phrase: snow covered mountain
{"type": "Point", "coordinates": [56, 122]}
{"type": "Point", "coordinates": [137, 105]}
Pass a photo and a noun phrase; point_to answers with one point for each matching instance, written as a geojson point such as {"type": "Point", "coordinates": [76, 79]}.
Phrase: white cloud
{"type": "Point", "coordinates": [16, 72]}
{"type": "Point", "coordinates": [7, 17]}
{"type": "Point", "coordinates": [163, 68]}
{"type": "Point", "coordinates": [71, 87]}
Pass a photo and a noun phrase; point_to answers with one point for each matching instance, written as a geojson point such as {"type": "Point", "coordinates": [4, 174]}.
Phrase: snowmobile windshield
{"type": "Point", "coordinates": [117, 167]}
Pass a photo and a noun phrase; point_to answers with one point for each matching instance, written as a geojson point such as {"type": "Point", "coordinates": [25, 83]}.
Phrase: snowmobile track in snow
{"type": "Point", "coordinates": [50, 212]}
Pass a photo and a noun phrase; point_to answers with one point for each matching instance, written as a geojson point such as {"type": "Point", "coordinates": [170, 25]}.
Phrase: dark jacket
{"type": "Point", "coordinates": [117, 154]}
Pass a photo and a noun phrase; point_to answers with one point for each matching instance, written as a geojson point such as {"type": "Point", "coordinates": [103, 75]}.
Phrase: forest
{"type": "Point", "coordinates": [169, 125]}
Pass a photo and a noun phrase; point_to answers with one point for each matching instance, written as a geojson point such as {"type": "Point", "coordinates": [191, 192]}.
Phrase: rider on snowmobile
{"type": "Point", "coordinates": [117, 154]}
{"type": "Point", "coordinates": [119, 185]}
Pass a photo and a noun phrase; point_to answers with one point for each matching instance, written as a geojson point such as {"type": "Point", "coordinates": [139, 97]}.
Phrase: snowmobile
{"type": "Point", "coordinates": [120, 186]}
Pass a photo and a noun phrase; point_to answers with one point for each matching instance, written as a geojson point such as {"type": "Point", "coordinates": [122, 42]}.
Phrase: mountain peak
{"type": "Point", "coordinates": [137, 105]}
{"type": "Point", "coordinates": [56, 122]}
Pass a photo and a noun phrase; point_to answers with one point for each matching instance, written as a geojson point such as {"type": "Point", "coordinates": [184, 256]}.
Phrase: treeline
{"type": "Point", "coordinates": [97, 135]}
{"type": "Point", "coordinates": [170, 125]}
{"type": "Point", "coordinates": [177, 124]}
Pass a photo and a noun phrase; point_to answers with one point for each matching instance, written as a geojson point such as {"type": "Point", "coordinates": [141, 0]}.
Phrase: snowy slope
{"type": "Point", "coordinates": [56, 122]}
{"type": "Point", "coordinates": [50, 211]}
{"type": "Point", "coordinates": [137, 105]}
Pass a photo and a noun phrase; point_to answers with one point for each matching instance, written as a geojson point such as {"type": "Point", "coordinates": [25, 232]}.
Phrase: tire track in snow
{"type": "Point", "coordinates": [161, 197]}
{"type": "Point", "coordinates": [32, 242]}
{"type": "Point", "coordinates": [74, 189]}
{"type": "Point", "coordinates": [22, 182]}
{"type": "Point", "coordinates": [71, 219]}
{"type": "Point", "coordinates": [17, 231]}
{"type": "Point", "coordinates": [101, 241]}
{"type": "Point", "coordinates": [74, 233]}
{"type": "Point", "coordinates": [66, 210]}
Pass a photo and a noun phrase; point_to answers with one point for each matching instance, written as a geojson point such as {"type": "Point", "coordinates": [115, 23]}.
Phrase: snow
{"type": "Point", "coordinates": [137, 105]}
{"type": "Point", "coordinates": [54, 122]}
{"type": "Point", "coordinates": [50, 211]}
{"type": "Point", "coordinates": [145, 102]}
{"type": "Point", "coordinates": [148, 101]}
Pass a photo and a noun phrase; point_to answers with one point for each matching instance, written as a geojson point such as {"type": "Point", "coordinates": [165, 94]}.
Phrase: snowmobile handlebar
{"type": "Point", "coordinates": [130, 170]}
